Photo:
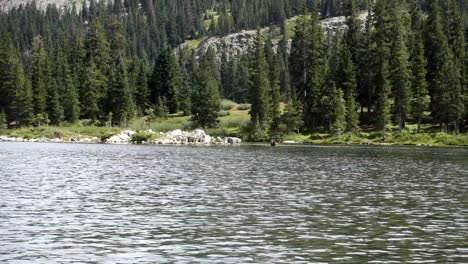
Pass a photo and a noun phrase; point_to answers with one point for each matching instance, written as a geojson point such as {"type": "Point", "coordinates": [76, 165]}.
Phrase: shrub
{"type": "Point", "coordinates": [105, 136]}
{"type": "Point", "coordinates": [227, 105]}
{"type": "Point", "coordinates": [141, 137]}
{"type": "Point", "coordinates": [243, 107]}
{"type": "Point", "coordinates": [223, 113]}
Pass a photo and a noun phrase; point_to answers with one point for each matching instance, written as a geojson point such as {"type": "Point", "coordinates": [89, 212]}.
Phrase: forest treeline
{"type": "Point", "coordinates": [112, 62]}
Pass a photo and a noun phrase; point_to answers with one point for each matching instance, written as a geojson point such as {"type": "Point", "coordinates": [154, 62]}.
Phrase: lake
{"type": "Point", "coordinates": [65, 203]}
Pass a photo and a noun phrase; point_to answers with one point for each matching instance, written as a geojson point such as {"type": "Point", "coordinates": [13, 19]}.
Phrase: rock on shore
{"type": "Point", "coordinates": [175, 137]}
{"type": "Point", "coordinates": [84, 140]}
{"type": "Point", "coordinates": [197, 137]}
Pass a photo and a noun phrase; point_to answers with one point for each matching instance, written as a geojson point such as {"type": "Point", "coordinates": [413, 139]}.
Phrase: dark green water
{"type": "Point", "coordinates": [62, 203]}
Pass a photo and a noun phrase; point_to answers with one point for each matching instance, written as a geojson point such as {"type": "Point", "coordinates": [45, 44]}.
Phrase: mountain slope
{"type": "Point", "coordinates": [239, 43]}
{"type": "Point", "coordinates": [41, 4]}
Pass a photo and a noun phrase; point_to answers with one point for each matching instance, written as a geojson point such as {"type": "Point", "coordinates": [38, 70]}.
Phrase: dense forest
{"type": "Point", "coordinates": [108, 63]}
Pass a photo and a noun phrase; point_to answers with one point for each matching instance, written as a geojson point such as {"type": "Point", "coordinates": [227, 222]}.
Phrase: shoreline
{"type": "Point", "coordinates": [96, 141]}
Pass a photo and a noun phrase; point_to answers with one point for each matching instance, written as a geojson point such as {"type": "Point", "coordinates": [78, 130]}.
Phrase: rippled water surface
{"type": "Point", "coordinates": [62, 203]}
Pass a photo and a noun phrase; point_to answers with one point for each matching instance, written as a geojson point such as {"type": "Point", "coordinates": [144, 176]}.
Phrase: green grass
{"type": "Point", "coordinates": [194, 43]}
{"type": "Point", "coordinates": [234, 124]}
{"type": "Point", "coordinates": [375, 138]}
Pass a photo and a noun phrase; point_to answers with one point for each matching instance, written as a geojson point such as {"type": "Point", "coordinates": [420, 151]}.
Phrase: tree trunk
{"type": "Point", "coordinates": [419, 125]}
{"type": "Point", "coordinates": [384, 131]}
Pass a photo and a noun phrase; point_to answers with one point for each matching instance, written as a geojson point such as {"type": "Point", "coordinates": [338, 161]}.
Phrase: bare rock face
{"type": "Point", "coordinates": [237, 44]}
{"type": "Point", "coordinates": [41, 4]}
{"type": "Point", "coordinates": [335, 24]}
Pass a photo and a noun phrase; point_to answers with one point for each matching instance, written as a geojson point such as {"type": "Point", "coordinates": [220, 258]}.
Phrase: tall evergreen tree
{"type": "Point", "coordinates": [175, 84]}
{"type": "Point", "coordinates": [260, 85]}
{"type": "Point", "coordinates": [340, 111]}
{"type": "Point", "coordinates": [24, 100]}
{"type": "Point", "coordinates": [400, 71]}
{"type": "Point", "coordinates": [316, 75]}
{"type": "Point", "coordinates": [241, 84]}
{"type": "Point", "coordinates": [299, 58]}
{"type": "Point", "coordinates": [292, 117]}
{"type": "Point", "coordinates": [119, 96]}
{"type": "Point", "coordinates": [383, 25]}
{"type": "Point", "coordinates": [92, 86]}
{"type": "Point", "coordinates": [142, 93]}
{"type": "Point", "coordinates": [8, 78]}
{"type": "Point", "coordinates": [420, 100]}
{"type": "Point", "coordinates": [435, 44]}
{"type": "Point", "coordinates": [206, 98]}
{"type": "Point", "coordinates": [39, 75]}
{"type": "Point", "coordinates": [348, 84]}
{"type": "Point", "coordinates": [274, 104]}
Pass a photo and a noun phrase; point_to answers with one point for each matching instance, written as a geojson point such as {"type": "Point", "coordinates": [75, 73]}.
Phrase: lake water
{"type": "Point", "coordinates": [64, 203]}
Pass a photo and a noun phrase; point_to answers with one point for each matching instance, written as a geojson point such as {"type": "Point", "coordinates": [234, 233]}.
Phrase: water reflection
{"type": "Point", "coordinates": [252, 204]}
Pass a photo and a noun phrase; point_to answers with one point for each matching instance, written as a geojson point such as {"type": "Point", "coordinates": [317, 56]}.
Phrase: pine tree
{"type": "Point", "coordinates": [206, 99]}
{"type": "Point", "coordinates": [186, 96]}
{"type": "Point", "coordinates": [299, 57]}
{"type": "Point", "coordinates": [367, 74]}
{"type": "Point", "coordinates": [346, 81]}
{"type": "Point", "coordinates": [161, 108]}
{"type": "Point", "coordinates": [93, 81]}
{"type": "Point", "coordinates": [283, 55]}
{"type": "Point", "coordinates": [340, 111]}
{"type": "Point", "coordinates": [142, 93]}
{"type": "Point", "coordinates": [54, 106]}
{"type": "Point", "coordinates": [454, 93]}
{"type": "Point", "coordinates": [260, 85]}
{"type": "Point", "coordinates": [10, 79]}
{"type": "Point", "coordinates": [400, 71]}
{"type": "Point", "coordinates": [456, 40]}
{"type": "Point", "coordinates": [226, 76]}
{"type": "Point", "coordinates": [292, 117]}
{"type": "Point", "coordinates": [119, 97]}
{"type": "Point", "coordinates": [275, 111]}
{"type": "Point", "coordinates": [39, 75]}
{"type": "Point", "coordinates": [420, 99]}
{"type": "Point", "coordinates": [316, 75]}
{"type": "Point", "coordinates": [159, 83]}
{"type": "Point", "coordinates": [98, 47]}
{"type": "Point", "coordinates": [354, 32]}
{"type": "Point", "coordinates": [3, 120]}
{"type": "Point", "coordinates": [175, 83]}
{"type": "Point", "coordinates": [435, 45]}
{"type": "Point", "coordinates": [241, 85]}
{"type": "Point", "coordinates": [383, 25]}
{"type": "Point", "coordinates": [71, 102]}
{"type": "Point", "coordinates": [25, 105]}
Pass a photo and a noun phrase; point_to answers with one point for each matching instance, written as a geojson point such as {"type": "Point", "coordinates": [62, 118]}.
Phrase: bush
{"type": "Point", "coordinates": [450, 140]}
{"type": "Point", "coordinates": [243, 107]}
{"type": "Point", "coordinates": [223, 113]}
{"type": "Point", "coordinates": [105, 136]}
{"type": "Point", "coordinates": [141, 137]}
{"type": "Point", "coordinates": [227, 105]}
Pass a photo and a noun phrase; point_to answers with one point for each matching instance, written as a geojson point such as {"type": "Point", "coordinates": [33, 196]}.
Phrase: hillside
{"type": "Point", "coordinates": [240, 43]}
{"type": "Point", "coordinates": [111, 64]}
{"type": "Point", "coordinates": [41, 4]}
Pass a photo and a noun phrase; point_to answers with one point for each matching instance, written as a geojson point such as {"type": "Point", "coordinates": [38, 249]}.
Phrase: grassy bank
{"type": "Point", "coordinates": [232, 123]}
{"type": "Point", "coordinates": [375, 138]}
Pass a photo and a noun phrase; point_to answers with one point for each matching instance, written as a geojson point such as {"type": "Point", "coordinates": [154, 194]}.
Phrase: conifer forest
{"type": "Point", "coordinates": [101, 63]}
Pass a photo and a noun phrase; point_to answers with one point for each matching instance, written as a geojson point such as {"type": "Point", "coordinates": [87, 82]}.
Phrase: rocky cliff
{"type": "Point", "coordinates": [41, 4]}
{"type": "Point", "coordinates": [237, 44]}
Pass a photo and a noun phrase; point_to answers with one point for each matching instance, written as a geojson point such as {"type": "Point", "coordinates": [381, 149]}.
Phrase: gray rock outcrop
{"type": "Point", "coordinates": [196, 137]}
{"type": "Point", "coordinates": [237, 44]}
{"type": "Point", "coordinates": [123, 137]}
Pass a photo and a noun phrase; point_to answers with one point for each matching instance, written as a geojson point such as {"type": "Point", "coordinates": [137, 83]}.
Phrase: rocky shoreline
{"type": "Point", "coordinates": [175, 137]}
